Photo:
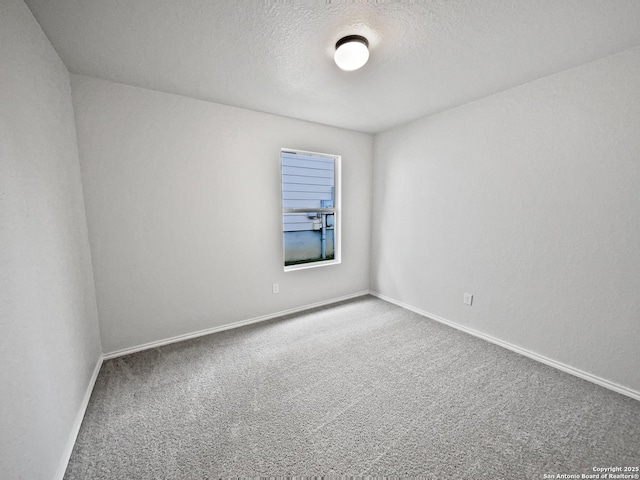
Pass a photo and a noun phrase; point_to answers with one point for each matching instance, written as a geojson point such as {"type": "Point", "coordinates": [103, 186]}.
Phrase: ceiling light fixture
{"type": "Point", "coordinates": [352, 52]}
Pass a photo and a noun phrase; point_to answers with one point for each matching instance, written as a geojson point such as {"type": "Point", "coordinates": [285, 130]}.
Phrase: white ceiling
{"type": "Point", "coordinates": [276, 56]}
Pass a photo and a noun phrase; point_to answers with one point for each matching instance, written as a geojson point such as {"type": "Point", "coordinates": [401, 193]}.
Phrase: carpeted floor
{"type": "Point", "coordinates": [358, 388]}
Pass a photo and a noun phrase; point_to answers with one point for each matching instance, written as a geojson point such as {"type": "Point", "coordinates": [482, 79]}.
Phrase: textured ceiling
{"type": "Point", "coordinates": [276, 55]}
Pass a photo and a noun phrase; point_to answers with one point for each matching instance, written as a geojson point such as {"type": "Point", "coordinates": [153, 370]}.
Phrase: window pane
{"type": "Point", "coordinates": [309, 201]}
{"type": "Point", "coordinates": [308, 237]}
{"type": "Point", "coordinates": [307, 181]}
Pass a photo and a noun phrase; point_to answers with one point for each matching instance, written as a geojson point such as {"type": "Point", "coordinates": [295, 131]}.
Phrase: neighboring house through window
{"type": "Point", "coordinates": [310, 209]}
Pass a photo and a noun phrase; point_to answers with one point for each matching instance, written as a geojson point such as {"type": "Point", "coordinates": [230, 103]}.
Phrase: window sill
{"type": "Point", "coordinates": [304, 266]}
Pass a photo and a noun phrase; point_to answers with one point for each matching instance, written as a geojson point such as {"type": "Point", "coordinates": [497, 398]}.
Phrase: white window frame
{"type": "Point", "coordinates": [336, 210]}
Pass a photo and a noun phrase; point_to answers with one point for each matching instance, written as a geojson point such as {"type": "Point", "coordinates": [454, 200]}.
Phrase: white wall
{"type": "Point", "coordinates": [49, 343]}
{"type": "Point", "coordinates": [184, 211]}
{"type": "Point", "coordinates": [530, 200]}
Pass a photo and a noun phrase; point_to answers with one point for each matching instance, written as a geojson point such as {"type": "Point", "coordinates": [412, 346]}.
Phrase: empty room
{"type": "Point", "coordinates": [319, 238]}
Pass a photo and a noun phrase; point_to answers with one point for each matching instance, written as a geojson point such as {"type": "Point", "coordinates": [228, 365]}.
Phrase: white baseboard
{"type": "Point", "coordinates": [527, 353]}
{"type": "Point", "coordinates": [64, 461]}
{"type": "Point", "coordinates": [229, 326]}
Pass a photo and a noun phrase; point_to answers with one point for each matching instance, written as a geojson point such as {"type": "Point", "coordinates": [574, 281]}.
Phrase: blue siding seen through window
{"type": "Point", "coordinates": [307, 181]}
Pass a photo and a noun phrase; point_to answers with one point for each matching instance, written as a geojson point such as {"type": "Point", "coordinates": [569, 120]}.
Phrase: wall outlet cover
{"type": "Point", "coordinates": [468, 299]}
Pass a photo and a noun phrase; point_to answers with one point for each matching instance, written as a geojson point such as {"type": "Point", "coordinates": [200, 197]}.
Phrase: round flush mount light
{"type": "Point", "coordinates": [352, 52]}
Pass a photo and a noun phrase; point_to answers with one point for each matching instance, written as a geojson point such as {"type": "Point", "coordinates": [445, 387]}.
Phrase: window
{"type": "Point", "coordinates": [310, 209]}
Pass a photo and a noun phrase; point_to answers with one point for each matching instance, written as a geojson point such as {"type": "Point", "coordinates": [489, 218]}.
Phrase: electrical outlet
{"type": "Point", "coordinates": [468, 299]}
{"type": "Point", "coordinates": [276, 288]}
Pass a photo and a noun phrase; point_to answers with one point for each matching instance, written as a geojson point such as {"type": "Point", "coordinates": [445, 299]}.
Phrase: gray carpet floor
{"type": "Point", "coordinates": [360, 388]}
